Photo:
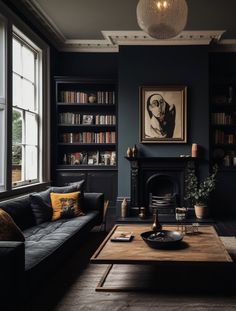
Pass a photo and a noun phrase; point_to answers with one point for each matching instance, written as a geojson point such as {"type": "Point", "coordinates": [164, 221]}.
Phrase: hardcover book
{"type": "Point", "coordinates": [122, 236]}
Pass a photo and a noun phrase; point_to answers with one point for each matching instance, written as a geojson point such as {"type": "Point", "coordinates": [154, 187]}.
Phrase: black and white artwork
{"type": "Point", "coordinates": [163, 114]}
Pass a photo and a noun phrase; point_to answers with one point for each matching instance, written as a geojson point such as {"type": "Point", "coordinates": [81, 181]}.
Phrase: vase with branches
{"type": "Point", "coordinates": [197, 192]}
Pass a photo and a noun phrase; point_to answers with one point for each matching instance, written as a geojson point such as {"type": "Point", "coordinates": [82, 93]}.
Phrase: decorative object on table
{"type": "Point", "coordinates": [180, 215]}
{"type": "Point", "coordinates": [92, 98]}
{"type": "Point", "coordinates": [129, 152]}
{"type": "Point", "coordinates": [164, 239]}
{"type": "Point", "coordinates": [142, 213]}
{"type": "Point", "coordinates": [122, 236]}
{"type": "Point", "coordinates": [156, 226]}
{"type": "Point", "coordinates": [192, 229]}
{"type": "Point", "coordinates": [124, 208]}
{"type": "Point", "coordinates": [163, 112]}
{"type": "Point", "coordinates": [134, 151]}
{"type": "Point", "coordinates": [162, 19]}
{"type": "Point", "coordinates": [194, 150]}
{"type": "Point", "coordinates": [197, 193]}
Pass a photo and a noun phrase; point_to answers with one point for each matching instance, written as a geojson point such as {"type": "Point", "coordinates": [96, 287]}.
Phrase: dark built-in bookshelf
{"type": "Point", "coordinates": [223, 123]}
{"type": "Point", "coordinates": [86, 141]}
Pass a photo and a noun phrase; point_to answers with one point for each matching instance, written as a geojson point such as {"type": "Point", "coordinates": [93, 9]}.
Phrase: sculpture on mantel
{"type": "Point", "coordinates": [132, 152]}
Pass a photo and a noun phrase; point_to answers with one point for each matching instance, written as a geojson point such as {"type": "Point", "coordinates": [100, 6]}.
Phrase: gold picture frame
{"type": "Point", "coordinates": [163, 114]}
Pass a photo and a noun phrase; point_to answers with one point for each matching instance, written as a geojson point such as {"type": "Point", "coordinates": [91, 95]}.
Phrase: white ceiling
{"type": "Point", "coordinates": [84, 25]}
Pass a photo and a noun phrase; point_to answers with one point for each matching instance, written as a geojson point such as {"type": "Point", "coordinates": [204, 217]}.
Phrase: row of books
{"type": "Point", "coordinates": [90, 158]}
{"type": "Point", "coordinates": [224, 138]}
{"type": "Point", "coordinates": [223, 118]}
{"type": "Point", "coordinates": [99, 97]}
{"type": "Point", "coordinates": [77, 118]}
{"type": "Point", "coordinates": [89, 137]}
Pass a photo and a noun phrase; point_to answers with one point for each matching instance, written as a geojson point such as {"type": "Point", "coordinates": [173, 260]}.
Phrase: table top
{"type": "Point", "coordinates": [202, 247]}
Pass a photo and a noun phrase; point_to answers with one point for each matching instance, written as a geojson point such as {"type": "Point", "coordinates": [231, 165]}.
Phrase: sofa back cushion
{"type": "Point", "coordinates": [41, 202]}
{"type": "Point", "coordinates": [20, 211]}
{"type": "Point", "coordinates": [9, 231]}
{"type": "Point", "coordinates": [41, 206]}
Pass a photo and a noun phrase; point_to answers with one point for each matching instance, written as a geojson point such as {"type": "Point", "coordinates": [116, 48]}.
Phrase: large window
{"type": "Point", "coordinates": [25, 112]}
{"type": "Point", "coordinates": [2, 103]}
{"type": "Point", "coordinates": [24, 107]}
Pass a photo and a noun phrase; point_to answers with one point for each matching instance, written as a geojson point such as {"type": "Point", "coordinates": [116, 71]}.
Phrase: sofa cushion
{"type": "Point", "coordinates": [75, 186]}
{"type": "Point", "coordinates": [41, 206]}
{"type": "Point", "coordinates": [8, 229]}
{"type": "Point", "coordinates": [45, 241]}
{"type": "Point", "coordinates": [41, 201]}
{"type": "Point", "coordinates": [65, 205]}
{"type": "Point", "coordinates": [20, 211]}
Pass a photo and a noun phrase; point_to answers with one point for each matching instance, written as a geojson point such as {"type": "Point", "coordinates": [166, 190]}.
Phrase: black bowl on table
{"type": "Point", "coordinates": [163, 239]}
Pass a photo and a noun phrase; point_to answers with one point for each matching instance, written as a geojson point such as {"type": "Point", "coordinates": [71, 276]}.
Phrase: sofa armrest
{"type": "Point", "coordinates": [94, 202]}
{"type": "Point", "coordinates": [12, 263]}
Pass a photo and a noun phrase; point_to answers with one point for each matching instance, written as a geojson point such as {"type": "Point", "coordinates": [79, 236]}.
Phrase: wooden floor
{"type": "Point", "coordinates": [73, 288]}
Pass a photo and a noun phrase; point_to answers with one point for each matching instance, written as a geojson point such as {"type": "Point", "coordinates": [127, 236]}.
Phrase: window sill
{"type": "Point", "coordinates": [24, 190]}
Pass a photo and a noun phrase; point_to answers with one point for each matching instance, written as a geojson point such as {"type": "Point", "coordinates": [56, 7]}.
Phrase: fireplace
{"type": "Point", "coordinates": [163, 193]}
{"type": "Point", "coordinates": [158, 182]}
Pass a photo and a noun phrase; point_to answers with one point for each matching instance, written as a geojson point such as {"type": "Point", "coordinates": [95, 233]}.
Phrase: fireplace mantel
{"type": "Point", "coordinates": [142, 168]}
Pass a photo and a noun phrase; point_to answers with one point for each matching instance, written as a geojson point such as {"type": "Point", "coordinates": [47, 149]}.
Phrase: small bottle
{"type": "Point", "coordinates": [129, 152]}
{"type": "Point", "coordinates": [65, 159]}
{"type": "Point", "coordinates": [142, 213]}
{"type": "Point", "coordinates": [194, 150]}
{"type": "Point", "coordinates": [156, 226]}
{"type": "Point", "coordinates": [124, 208]}
{"type": "Point", "coordinates": [134, 151]}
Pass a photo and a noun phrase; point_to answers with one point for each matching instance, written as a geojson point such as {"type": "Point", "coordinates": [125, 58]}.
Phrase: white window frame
{"type": "Point", "coordinates": [21, 38]}
{"type": "Point", "coordinates": [13, 22]}
{"type": "Point", "coordinates": [3, 114]}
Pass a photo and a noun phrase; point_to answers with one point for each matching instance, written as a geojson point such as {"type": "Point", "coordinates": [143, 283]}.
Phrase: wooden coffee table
{"type": "Point", "coordinates": [203, 250]}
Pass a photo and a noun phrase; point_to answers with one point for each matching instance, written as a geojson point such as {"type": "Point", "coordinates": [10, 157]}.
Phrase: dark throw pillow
{"type": "Point", "coordinates": [70, 187]}
{"type": "Point", "coordinates": [9, 231]}
{"type": "Point", "coordinates": [41, 206]}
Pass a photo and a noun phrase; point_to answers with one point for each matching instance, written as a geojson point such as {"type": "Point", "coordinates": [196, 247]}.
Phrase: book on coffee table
{"type": "Point", "coordinates": [122, 236]}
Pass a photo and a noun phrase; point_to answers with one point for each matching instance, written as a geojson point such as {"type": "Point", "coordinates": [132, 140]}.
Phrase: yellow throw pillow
{"type": "Point", "coordinates": [66, 205]}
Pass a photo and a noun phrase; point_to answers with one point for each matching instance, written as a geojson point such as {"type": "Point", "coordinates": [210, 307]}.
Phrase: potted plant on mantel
{"type": "Point", "coordinates": [197, 192]}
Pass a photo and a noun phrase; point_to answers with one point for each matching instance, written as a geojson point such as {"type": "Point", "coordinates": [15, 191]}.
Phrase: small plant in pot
{"type": "Point", "coordinates": [197, 193]}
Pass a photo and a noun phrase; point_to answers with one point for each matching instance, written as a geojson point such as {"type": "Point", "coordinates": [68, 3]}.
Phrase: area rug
{"type": "Point", "coordinates": [74, 290]}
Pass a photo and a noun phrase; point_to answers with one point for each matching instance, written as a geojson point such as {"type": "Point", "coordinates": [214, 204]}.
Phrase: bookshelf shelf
{"type": "Point", "coordinates": [96, 126]}
{"type": "Point", "coordinates": [223, 123]}
{"type": "Point", "coordinates": [86, 133]}
{"type": "Point", "coordinates": [87, 144]}
{"type": "Point", "coordinates": [87, 167]}
{"type": "Point", "coordinates": [79, 105]}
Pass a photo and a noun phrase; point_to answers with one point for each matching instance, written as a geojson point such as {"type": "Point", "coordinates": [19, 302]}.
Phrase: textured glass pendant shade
{"type": "Point", "coordinates": [162, 19]}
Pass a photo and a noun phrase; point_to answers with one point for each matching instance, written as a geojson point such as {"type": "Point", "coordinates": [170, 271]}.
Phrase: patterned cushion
{"type": "Point", "coordinates": [65, 205]}
{"type": "Point", "coordinates": [8, 229]}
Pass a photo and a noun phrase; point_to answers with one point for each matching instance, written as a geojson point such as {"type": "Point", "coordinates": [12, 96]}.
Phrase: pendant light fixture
{"type": "Point", "coordinates": [162, 19]}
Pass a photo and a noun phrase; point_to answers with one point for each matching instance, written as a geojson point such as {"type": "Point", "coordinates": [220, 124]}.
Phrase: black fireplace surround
{"type": "Point", "coordinates": [157, 176]}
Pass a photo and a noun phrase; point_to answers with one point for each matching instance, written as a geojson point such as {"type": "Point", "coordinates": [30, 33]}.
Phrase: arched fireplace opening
{"type": "Point", "coordinates": [162, 192]}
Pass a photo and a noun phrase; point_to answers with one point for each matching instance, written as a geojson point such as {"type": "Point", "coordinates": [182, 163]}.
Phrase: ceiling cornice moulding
{"type": "Point", "coordinates": [113, 39]}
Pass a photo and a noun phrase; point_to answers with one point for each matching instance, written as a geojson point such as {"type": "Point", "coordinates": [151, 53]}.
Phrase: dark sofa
{"type": "Point", "coordinates": [46, 245]}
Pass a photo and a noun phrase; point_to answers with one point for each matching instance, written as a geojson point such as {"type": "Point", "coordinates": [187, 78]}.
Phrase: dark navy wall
{"type": "Point", "coordinates": [144, 65]}
{"type": "Point", "coordinates": [87, 64]}
{"type": "Point", "coordinates": [169, 65]}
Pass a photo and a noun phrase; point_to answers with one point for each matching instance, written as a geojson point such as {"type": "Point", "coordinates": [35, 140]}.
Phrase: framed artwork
{"type": "Point", "coordinates": [163, 114]}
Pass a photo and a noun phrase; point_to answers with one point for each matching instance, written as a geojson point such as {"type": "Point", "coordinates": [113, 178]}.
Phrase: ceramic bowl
{"type": "Point", "coordinates": [163, 239]}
